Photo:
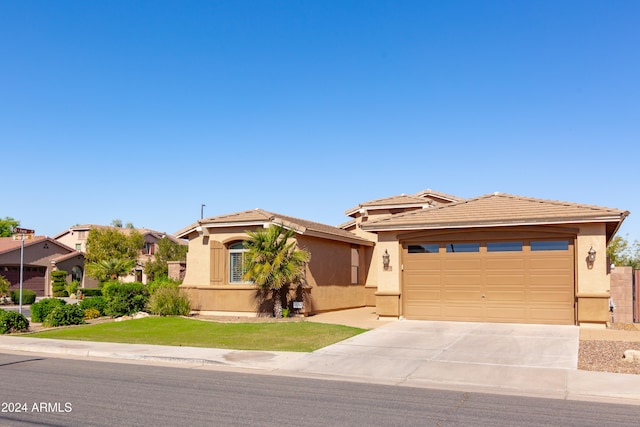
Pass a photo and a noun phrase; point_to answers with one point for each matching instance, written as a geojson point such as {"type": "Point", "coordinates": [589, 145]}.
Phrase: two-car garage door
{"type": "Point", "coordinates": [521, 281]}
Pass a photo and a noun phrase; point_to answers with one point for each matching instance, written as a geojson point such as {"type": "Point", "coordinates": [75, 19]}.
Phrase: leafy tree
{"type": "Point", "coordinates": [274, 263]}
{"type": "Point", "coordinates": [117, 223]}
{"type": "Point", "coordinates": [168, 250]}
{"type": "Point", "coordinates": [7, 225]}
{"type": "Point", "coordinates": [621, 253]}
{"type": "Point", "coordinates": [112, 252]}
{"type": "Point", "coordinates": [110, 269]}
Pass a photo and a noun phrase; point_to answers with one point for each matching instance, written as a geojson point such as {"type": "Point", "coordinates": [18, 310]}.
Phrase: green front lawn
{"type": "Point", "coordinates": [179, 331]}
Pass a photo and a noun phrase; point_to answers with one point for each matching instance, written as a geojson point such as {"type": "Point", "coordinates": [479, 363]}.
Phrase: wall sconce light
{"type": "Point", "coordinates": [592, 255]}
{"type": "Point", "coordinates": [385, 260]}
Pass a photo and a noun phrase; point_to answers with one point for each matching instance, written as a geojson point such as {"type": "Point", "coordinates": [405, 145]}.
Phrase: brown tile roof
{"type": "Point", "coordinates": [7, 244]}
{"type": "Point", "coordinates": [422, 198]}
{"type": "Point", "coordinates": [499, 210]}
{"type": "Point", "coordinates": [125, 230]}
{"type": "Point", "coordinates": [438, 194]}
{"type": "Point", "coordinates": [391, 202]}
{"type": "Point", "coordinates": [255, 216]}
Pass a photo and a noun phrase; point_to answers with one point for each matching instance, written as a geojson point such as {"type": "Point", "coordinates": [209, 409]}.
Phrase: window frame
{"type": "Point", "coordinates": [234, 249]}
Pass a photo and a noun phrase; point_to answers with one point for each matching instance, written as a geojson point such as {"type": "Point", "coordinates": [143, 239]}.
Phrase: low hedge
{"type": "Point", "coordinates": [12, 321]}
{"type": "Point", "coordinates": [28, 296]}
{"type": "Point", "coordinates": [68, 314]}
{"type": "Point", "coordinates": [41, 309]}
{"type": "Point", "coordinates": [95, 303]}
{"type": "Point", "coordinates": [91, 292]}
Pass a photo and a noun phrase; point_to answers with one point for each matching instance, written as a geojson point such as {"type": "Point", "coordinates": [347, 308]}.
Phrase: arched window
{"type": "Point", "coordinates": [76, 274]}
{"type": "Point", "coordinates": [237, 253]}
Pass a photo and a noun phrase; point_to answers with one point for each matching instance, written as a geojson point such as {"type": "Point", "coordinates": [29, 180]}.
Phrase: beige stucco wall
{"type": "Point", "coordinates": [592, 279]}
{"type": "Point", "coordinates": [328, 275]}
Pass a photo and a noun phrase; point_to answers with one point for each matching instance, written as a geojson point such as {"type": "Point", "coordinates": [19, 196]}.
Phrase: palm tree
{"type": "Point", "coordinates": [274, 263]}
{"type": "Point", "coordinates": [110, 269]}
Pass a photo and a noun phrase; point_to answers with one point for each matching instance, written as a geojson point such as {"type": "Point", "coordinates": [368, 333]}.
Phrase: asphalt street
{"type": "Point", "coordinates": [49, 391]}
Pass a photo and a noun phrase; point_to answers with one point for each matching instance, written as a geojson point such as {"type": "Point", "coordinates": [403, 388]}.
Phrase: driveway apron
{"type": "Point", "coordinates": [530, 358]}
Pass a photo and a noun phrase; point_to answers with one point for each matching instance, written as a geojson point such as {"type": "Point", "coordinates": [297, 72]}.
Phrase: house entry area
{"type": "Point", "coordinates": [517, 280]}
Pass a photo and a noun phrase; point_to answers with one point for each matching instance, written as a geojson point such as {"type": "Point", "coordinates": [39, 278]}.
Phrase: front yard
{"type": "Point", "coordinates": [298, 336]}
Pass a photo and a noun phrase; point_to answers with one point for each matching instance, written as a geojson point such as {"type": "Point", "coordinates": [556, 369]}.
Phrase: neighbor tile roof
{"type": "Point", "coordinates": [301, 226]}
{"type": "Point", "coordinates": [498, 209]}
{"type": "Point", "coordinates": [125, 230]}
{"type": "Point", "coordinates": [7, 244]}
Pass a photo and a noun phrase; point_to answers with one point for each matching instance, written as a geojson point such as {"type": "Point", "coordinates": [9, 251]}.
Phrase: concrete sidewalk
{"type": "Point", "coordinates": [456, 356]}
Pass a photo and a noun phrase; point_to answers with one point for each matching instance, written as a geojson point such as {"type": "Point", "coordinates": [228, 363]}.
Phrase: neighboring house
{"type": "Point", "coordinates": [493, 258]}
{"type": "Point", "coordinates": [41, 256]}
{"type": "Point", "coordinates": [335, 275]}
{"type": "Point", "coordinates": [77, 235]}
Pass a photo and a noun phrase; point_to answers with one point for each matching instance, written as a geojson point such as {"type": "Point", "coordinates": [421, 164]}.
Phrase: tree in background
{"type": "Point", "coordinates": [168, 250]}
{"type": "Point", "coordinates": [112, 252]}
{"type": "Point", "coordinates": [621, 253]}
{"type": "Point", "coordinates": [7, 225]}
{"type": "Point", "coordinates": [274, 263]}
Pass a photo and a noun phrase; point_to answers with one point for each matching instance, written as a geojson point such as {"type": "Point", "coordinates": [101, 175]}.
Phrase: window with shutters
{"type": "Point", "coordinates": [237, 253]}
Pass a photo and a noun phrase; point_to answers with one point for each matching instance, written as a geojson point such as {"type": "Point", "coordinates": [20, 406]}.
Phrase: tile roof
{"type": "Point", "coordinates": [438, 194]}
{"type": "Point", "coordinates": [498, 210]}
{"type": "Point", "coordinates": [7, 244]}
{"type": "Point", "coordinates": [125, 230]}
{"type": "Point", "coordinates": [254, 216]}
{"type": "Point", "coordinates": [422, 198]}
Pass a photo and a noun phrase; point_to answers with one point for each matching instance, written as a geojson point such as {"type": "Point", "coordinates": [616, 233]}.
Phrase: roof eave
{"type": "Point", "coordinates": [410, 227]}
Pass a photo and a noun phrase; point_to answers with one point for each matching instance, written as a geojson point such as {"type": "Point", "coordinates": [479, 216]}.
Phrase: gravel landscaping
{"type": "Point", "coordinates": [605, 355]}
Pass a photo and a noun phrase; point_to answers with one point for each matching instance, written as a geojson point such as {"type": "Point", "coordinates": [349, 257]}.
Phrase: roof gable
{"type": "Point", "coordinates": [261, 217]}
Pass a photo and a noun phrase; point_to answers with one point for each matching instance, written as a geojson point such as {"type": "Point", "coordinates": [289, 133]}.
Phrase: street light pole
{"type": "Point", "coordinates": [21, 270]}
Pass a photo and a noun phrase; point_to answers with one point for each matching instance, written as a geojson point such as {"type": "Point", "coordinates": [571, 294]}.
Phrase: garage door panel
{"type": "Point", "coordinates": [503, 280]}
{"type": "Point", "coordinates": [455, 262]}
{"type": "Point", "coordinates": [423, 263]}
{"type": "Point", "coordinates": [462, 312]}
{"type": "Point", "coordinates": [453, 295]}
{"type": "Point", "coordinates": [425, 279]}
{"type": "Point", "coordinates": [500, 263]}
{"type": "Point", "coordinates": [497, 296]}
{"type": "Point", "coordinates": [504, 313]}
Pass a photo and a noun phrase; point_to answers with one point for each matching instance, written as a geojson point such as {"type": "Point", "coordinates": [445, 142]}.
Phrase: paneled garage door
{"type": "Point", "coordinates": [33, 278]}
{"type": "Point", "coordinates": [525, 281]}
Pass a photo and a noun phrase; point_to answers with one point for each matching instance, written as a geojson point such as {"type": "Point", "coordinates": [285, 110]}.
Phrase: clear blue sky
{"type": "Point", "coordinates": [144, 110]}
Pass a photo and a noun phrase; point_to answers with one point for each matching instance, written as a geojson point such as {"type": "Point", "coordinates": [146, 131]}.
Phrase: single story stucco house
{"type": "Point", "coordinates": [429, 255]}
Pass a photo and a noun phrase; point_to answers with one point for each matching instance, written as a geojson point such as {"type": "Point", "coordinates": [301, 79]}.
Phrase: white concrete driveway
{"type": "Point", "coordinates": [531, 358]}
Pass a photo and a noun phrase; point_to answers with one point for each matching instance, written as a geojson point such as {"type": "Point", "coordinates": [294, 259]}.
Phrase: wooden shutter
{"type": "Point", "coordinates": [217, 263]}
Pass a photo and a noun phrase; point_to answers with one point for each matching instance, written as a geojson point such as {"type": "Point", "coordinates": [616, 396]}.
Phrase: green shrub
{"type": "Point", "coordinates": [161, 282]}
{"type": "Point", "coordinates": [123, 299]}
{"type": "Point", "coordinates": [96, 303]}
{"type": "Point", "coordinates": [28, 296]}
{"type": "Point", "coordinates": [68, 314]}
{"type": "Point", "coordinates": [91, 292]}
{"type": "Point", "coordinates": [91, 313]}
{"type": "Point", "coordinates": [169, 301]}
{"type": "Point", "coordinates": [4, 286]}
{"type": "Point", "coordinates": [59, 282]}
{"type": "Point", "coordinates": [12, 321]}
{"type": "Point", "coordinates": [41, 309]}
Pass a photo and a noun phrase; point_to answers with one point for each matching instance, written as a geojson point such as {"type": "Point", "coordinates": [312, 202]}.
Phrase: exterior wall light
{"type": "Point", "coordinates": [591, 257]}
{"type": "Point", "coordinates": [385, 260]}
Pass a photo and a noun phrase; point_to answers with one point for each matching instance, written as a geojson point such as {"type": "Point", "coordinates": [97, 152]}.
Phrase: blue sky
{"type": "Point", "coordinates": [144, 110]}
